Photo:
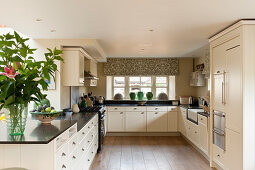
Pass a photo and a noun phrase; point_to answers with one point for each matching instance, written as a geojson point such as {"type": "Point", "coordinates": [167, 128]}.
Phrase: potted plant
{"type": "Point", "coordinates": [22, 78]}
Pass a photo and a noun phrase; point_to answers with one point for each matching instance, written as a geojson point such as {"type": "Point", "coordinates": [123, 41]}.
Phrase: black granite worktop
{"type": "Point", "coordinates": [135, 102]}
{"type": "Point", "coordinates": [138, 105]}
{"type": "Point", "coordinates": [188, 106]}
{"type": "Point", "coordinates": [36, 133]}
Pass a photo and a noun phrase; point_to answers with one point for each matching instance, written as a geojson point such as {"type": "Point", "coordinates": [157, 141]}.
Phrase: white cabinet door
{"type": "Point", "coordinates": [203, 137]}
{"type": "Point", "coordinates": [156, 121]}
{"type": "Point", "coordinates": [172, 121]}
{"type": "Point", "coordinates": [135, 121]}
{"type": "Point", "coordinates": [234, 88]}
{"type": "Point", "coordinates": [219, 58]}
{"type": "Point", "coordinates": [233, 150]}
{"type": "Point", "coordinates": [195, 135]}
{"type": "Point", "coordinates": [116, 121]}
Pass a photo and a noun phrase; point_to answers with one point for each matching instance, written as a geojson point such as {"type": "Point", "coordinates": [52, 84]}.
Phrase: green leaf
{"type": "Point", "coordinates": [17, 58]}
{"type": "Point", "coordinates": [10, 100]}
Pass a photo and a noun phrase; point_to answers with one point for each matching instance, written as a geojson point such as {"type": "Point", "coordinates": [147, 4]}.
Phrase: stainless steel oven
{"type": "Point", "coordinates": [219, 129]}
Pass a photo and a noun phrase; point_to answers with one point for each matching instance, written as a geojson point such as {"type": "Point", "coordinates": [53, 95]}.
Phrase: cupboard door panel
{"type": "Point", "coordinates": [172, 121]}
{"type": "Point", "coordinates": [116, 121]}
{"type": "Point", "coordinates": [234, 107]}
{"type": "Point", "coordinates": [203, 137]}
{"type": "Point", "coordinates": [156, 121]}
{"type": "Point", "coordinates": [219, 58]}
{"type": "Point", "coordinates": [135, 121]}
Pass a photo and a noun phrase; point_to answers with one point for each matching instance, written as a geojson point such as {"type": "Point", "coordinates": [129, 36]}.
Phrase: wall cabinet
{"type": "Point", "coordinates": [156, 121]}
{"type": "Point", "coordinates": [90, 66]}
{"type": "Point", "coordinates": [73, 67]}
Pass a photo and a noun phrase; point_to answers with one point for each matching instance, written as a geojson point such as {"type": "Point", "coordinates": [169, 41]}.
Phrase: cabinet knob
{"type": "Point", "coordinates": [218, 155]}
{"type": "Point", "coordinates": [63, 166]}
{"type": "Point", "coordinates": [156, 112]}
{"type": "Point", "coordinates": [195, 131]}
{"type": "Point", "coordinates": [83, 133]}
{"type": "Point", "coordinates": [88, 127]}
{"type": "Point", "coordinates": [121, 112]}
{"type": "Point", "coordinates": [92, 135]}
{"type": "Point", "coordinates": [156, 108]}
{"type": "Point", "coordinates": [88, 159]}
{"type": "Point", "coordinates": [201, 119]}
{"type": "Point", "coordinates": [74, 143]}
{"type": "Point", "coordinates": [142, 113]}
{"type": "Point", "coordinates": [88, 141]}
{"type": "Point", "coordinates": [82, 149]}
{"type": "Point", "coordinates": [74, 157]}
{"type": "Point", "coordinates": [92, 123]}
{"type": "Point", "coordinates": [63, 154]}
{"type": "Point", "coordinates": [92, 152]}
{"type": "Point", "coordinates": [135, 108]}
{"type": "Point", "coordinates": [115, 108]}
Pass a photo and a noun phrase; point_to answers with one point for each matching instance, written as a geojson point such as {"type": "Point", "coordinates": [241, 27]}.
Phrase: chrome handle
{"type": "Point", "coordinates": [222, 93]}
{"type": "Point", "coordinates": [63, 166]}
{"type": "Point", "coordinates": [63, 154]}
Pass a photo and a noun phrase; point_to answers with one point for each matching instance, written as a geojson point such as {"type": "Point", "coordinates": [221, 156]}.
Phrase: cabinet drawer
{"type": "Point", "coordinates": [84, 131]}
{"type": "Point", "coordinates": [218, 156]}
{"type": "Point", "coordinates": [202, 119]}
{"type": "Point", "coordinates": [62, 153]}
{"type": "Point", "coordinates": [73, 142]}
{"type": "Point", "coordinates": [160, 109]}
{"type": "Point", "coordinates": [73, 157]}
{"type": "Point", "coordinates": [172, 108]}
{"type": "Point", "coordinates": [138, 108]}
{"type": "Point", "coordinates": [116, 109]}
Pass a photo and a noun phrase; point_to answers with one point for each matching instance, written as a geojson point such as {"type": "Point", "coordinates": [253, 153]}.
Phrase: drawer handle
{"type": "Point", "coordinates": [83, 133]}
{"type": "Point", "coordinates": [74, 157]}
{"type": "Point", "coordinates": [82, 149]}
{"type": "Point", "coordinates": [201, 119]}
{"type": "Point", "coordinates": [156, 108]}
{"type": "Point", "coordinates": [63, 166]}
{"type": "Point", "coordinates": [63, 154]}
{"type": "Point", "coordinates": [88, 141]}
{"type": "Point", "coordinates": [156, 112]}
{"type": "Point", "coordinates": [92, 152]}
{"type": "Point", "coordinates": [195, 131]}
{"type": "Point", "coordinates": [121, 112]}
{"type": "Point", "coordinates": [88, 159]}
{"type": "Point", "coordinates": [74, 143]}
{"type": "Point", "coordinates": [88, 127]}
{"type": "Point", "coordinates": [142, 113]}
{"type": "Point", "coordinates": [135, 108]}
{"type": "Point", "coordinates": [115, 108]}
{"type": "Point", "coordinates": [92, 135]}
{"type": "Point", "coordinates": [218, 155]}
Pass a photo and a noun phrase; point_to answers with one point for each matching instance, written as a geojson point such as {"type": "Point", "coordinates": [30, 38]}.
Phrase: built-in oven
{"type": "Point", "coordinates": [219, 129]}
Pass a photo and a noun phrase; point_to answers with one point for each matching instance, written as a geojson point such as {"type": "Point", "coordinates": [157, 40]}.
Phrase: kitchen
{"type": "Point", "coordinates": [146, 96]}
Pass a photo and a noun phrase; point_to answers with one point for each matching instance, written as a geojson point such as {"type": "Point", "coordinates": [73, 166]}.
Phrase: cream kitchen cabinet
{"type": "Point", "coordinates": [90, 66]}
{"type": "Point", "coordinates": [172, 118]}
{"type": "Point", "coordinates": [135, 121]}
{"type": "Point", "coordinates": [116, 121]}
{"type": "Point", "coordinates": [203, 133]}
{"type": "Point", "coordinates": [157, 121]}
{"type": "Point", "coordinates": [73, 66]}
{"type": "Point", "coordinates": [183, 122]}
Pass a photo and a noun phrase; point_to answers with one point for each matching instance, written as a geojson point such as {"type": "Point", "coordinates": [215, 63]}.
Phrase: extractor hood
{"type": "Point", "coordinates": [88, 75]}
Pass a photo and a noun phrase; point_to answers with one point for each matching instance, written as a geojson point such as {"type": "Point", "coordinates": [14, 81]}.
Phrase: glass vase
{"type": "Point", "coordinates": [16, 117]}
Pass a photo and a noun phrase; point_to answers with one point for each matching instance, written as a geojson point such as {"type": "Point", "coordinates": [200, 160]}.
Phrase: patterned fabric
{"type": "Point", "coordinates": [141, 66]}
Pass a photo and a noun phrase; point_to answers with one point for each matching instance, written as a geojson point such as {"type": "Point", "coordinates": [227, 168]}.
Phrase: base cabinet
{"type": "Point", "coordinates": [156, 121]}
{"type": "Point", "coordinates": [135, 121]}
{"type": "Point", "coordinates": [172, 119]}
{"type": "Point", "coordinates": [116, 121]}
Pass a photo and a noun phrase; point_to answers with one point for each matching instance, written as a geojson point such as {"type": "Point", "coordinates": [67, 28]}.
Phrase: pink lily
{"type": "Point", "coordinates": [10, 72]}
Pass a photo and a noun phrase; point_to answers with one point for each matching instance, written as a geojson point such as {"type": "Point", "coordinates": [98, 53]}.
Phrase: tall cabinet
{"type": "Point", "coordinates": [233, 92]}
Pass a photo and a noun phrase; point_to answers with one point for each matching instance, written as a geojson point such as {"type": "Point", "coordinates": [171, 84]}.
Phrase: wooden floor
{"type": "Point", "coordinates": [148, 153]}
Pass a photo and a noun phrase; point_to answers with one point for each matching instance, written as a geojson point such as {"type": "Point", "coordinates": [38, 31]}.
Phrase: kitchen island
{"type": "Point", "coordinates": [70, 142]}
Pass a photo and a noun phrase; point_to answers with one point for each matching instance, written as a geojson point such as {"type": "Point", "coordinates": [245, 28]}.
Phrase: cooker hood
{"type": "Point", "coordinates": [88, 75]}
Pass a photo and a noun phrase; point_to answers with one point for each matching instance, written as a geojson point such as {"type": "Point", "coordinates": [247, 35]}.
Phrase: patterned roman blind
{"type": "Point", "coordinates": [141, 66]}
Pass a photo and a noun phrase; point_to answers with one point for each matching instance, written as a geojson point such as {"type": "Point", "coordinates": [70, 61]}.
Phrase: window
{"type": "Point", "coordinates": [137, 84]}
{"type": "Point", "coordinates": [154, 84]}
{"type": "Point", "coordinates": [161, 85]}
{"type": "Point", "coordinates": [119, 85]}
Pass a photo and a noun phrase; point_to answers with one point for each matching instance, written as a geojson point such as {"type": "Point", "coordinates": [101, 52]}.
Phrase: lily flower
{"type": "Point", "coordinates": [10, 72]}
{"type": "Point", "coordinates": [37, 79]}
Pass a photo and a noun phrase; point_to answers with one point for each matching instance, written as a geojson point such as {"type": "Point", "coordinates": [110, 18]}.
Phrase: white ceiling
{"type": "Point", "coordinates": [122, 26]}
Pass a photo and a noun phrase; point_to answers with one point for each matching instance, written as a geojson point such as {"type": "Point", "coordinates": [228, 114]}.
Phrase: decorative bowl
{"type": "Point", "coordinates": [46, 117]}
{"type": "Point", "coordinates": [141, 103]}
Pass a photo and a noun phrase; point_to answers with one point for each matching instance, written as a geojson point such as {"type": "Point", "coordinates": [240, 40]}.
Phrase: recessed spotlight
{"type": "Point", "coordinates": [151, 30]}
{"type": "Point", "coordinates": [38, 20]}
{"type": "Point", "coordinates": [52, 30]}
{"type": "Point", "coordinates": [142, 49]}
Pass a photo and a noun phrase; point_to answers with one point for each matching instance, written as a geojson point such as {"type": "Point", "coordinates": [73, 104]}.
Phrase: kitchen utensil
{"type": "Point", "coordinates": [132, 95]}
{"type": "Point", "coordinates": [140, 95]}
{"type": "Point", "coordinates": [162, 96]}
{"type": "Point", "coordinates": [149, 95]}
{"type": "Point", "coordinates": [184, 100]}
{"type": "Point", "coordinates": [118, 96]}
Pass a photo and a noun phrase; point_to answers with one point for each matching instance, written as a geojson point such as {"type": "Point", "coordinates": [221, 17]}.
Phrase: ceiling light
{"type": "Point", "coordinates": [142, 49]}
{"type": "Point", "coordinates": [151, 30]}
{"type": "Point", "coordinates": [38, 20]}
{"type": "Point", "coordinates": [52, 30]}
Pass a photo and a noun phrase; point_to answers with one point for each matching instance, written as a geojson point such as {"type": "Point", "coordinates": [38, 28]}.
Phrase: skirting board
{"type": "Point", "coordinates": [143, 134]}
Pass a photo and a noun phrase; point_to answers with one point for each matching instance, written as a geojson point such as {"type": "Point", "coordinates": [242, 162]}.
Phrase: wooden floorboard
{"type": "Point", "coordinates": [148, 153]}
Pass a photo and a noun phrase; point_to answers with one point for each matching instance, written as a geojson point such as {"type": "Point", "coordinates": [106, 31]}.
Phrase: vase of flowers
{"type": "Point", "coordinates": [22, 78]}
